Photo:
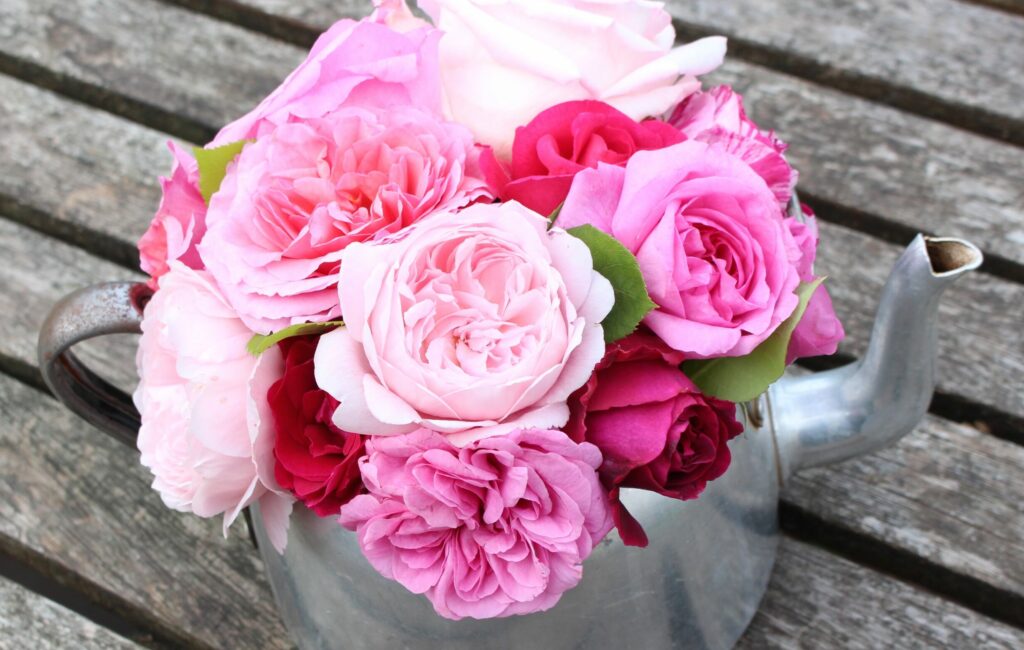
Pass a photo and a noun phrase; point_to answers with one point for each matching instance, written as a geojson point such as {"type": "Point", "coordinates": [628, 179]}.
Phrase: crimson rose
{"type": "Point", "coordinates": [564, 140]}
{"type": "Point", "coordinates": [315, 461]}
{"type": "Point", "coordinates": [655, 428]}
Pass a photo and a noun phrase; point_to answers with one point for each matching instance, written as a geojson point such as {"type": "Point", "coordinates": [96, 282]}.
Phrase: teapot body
{"type": "Point", "coordinates": [697, 584]}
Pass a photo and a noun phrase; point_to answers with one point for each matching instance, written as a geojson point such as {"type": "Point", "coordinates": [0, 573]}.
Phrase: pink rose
{"type": "Point", "coordinates": [504, 61]}
{"type": "Point", "coordinates": [718, 117]}
{"type": "Point", "coordinates": [294, 199]}
{"type": "Point", "coordinates": [180, 221]}
{"type": "Point", "coordinates": [710, 239]}
{"type": "Point", "coordinates": [366, 63]}
{"type": "Point", "coordinates": [495, 529]}
{"type": "Point", "coordinates": [565, 139]}
{"type": "Point", "coordinates": [819, 330]}
{"type": "Point", "coordinates": [202, 397]}
{"type": "Point", "coordinates": [653, 426]}
{"type": "Point", "coordinates": [472, 324]}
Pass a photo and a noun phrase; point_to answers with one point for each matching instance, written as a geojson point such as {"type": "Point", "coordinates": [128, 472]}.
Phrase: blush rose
{"type": "Point", "coordinates": [384, 60]}
{"type": "Point", "coordinates": [566, 139]}
{"type": "Point", "coordinates": [314, 460]}
{"type": "Point", "coordinates": [655, 429]}
{"type": "Point", "coordinates": [498, 528]}
{"type": "Point", "coordinates": [819, 330]}
{"type": "Point", "coordinates": [293, 200]}
{"type": "Point", "coordinates": [503, 61]}
{"type": "Point", "coordinates": [472, 324]}
{"type": "Point", "coordinates": [180, 220]}
{"type": "Point", "coordinates": [202, 399]}
{"type": "Point", "coordinates": [710, 239]}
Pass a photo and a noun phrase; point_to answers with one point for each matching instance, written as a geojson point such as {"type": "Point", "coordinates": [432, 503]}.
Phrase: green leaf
{"type": "Point", "coordinates": [260, 343]}
{"type": "Point", "coordinates": [617, 264]}
{"type": "Point", "coordinates": [741, 379]}
{"type": "Point", "coordinates": [213, 164]}
{"type": "Point", "coordinates": [554, 214]}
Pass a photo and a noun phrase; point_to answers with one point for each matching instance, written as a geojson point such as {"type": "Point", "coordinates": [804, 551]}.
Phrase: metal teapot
{"type": "Point", "coordinates": [699, 582]}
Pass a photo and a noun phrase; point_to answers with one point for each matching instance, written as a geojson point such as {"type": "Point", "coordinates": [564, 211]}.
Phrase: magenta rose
{"type": "Point", "coordinates": [293, 200]}
{"type": "Point", "coordinates": [314, 460]}
{"type": "Point", "coordinates": [375, 62]}
{"type": "Point", "coordinates": [655, 429]}
{"type": "Point", "coordinates": [180, 220]}
{"type": "Point", "coordinates": [710, 238]}
{"type": "Point", "coordinates": [498, 528]}
{"type": "Point", "coordinates": [819, 330]}
{"type": "Point", "coordinates": [567, 139]}
{"type": "Point", "coordinates": [717, 116]}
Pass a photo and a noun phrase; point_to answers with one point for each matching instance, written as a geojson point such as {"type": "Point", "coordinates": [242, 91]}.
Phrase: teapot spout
{"type": "Point", "coordinates": [830, 416]}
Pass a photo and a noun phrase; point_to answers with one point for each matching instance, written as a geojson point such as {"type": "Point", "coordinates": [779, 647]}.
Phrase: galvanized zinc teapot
{"type": "Point", "coordinates": [699, 582]}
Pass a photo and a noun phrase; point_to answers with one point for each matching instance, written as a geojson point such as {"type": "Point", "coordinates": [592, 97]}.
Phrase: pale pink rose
{"type": "Point", "coordinates": [709, 236]}
{"type": "Point", "coordinates": [717, 116]}
{"type": "Point", "coordinates": [380, 61]}
{"type": "Point", "coordinates": [294, 199]}
{"type": "Point", "coordinates": [202, 400]}
{"type": "Point", "coordinates": [397, 15]}
{"type": "Point", "coordinates": [819, 330]}
{"type": "Point", "coordinates": [504, 61]}
{"type": "Point", "coordinates": [472, 324]}
{"type": "Point", "coordinates": [495, 529]}
{"type": "Point", "coordinates": [180, 220]}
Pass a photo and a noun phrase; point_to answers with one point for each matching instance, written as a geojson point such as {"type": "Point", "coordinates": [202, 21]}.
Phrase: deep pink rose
{"type": "Point", "coordinates": [710, 239]}
{"type": "Point", "coordinates": [315, 461]}
{"type": "Point", "coordinates": [472, 324]}
{"type": "Point", "coordinates": [206, 433]}
{"type": "Point", "coordinates": [294, 199]}
{"type": "Point", "coordinates": [498, 528]}
{"type": "Point", "coordinates": [567, 139]}
{"type": "Point", "coordinates": [717, 116]}
{"type": "Point", "coordinates": [654, 427]}
{"type": "Point", "coordinates": [180, 221]}
{"type": "Point", "coordinates": [819, 330]}
{"type": "Point", "coordinates": [375, 62]}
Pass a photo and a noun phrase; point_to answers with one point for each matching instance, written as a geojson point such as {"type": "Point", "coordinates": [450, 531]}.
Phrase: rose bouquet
{"type": "Point", "coordinates": [458, 283]}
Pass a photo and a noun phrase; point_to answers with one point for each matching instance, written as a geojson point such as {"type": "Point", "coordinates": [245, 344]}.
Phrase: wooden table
{"type": "Point", "coordinates": [902, 116]}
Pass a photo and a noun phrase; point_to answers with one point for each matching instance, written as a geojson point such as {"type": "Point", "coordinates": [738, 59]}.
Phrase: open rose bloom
{"type": "Point", "coordinates": [441, 286]}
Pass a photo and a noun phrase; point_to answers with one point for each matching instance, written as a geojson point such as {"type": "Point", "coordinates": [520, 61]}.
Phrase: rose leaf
{"type": "Point", "coordinates": [619, 266]}
{"type": "Point", "coordinates": [213, 165]}
{"type": "Point", "coordinates": [741, 379]}
{"type": "Point", "coordinates": [260, 343]}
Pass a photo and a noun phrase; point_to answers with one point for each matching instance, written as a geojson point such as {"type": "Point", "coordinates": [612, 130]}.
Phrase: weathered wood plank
{"type": "Point", "coordinates": [27, 620]}
{"type": "Point", "coordinates": [935, 57]}
{"type": "Point", "coordinates": [63, 169]}
{"type": "Point", "coordinates": [156, 55]}
{"type": "Point", "coordinates": [80, 503]}
{"type": "Point", "coordinates": [901, 171]}
{"type": "Point", "coordinates": [817, 600]}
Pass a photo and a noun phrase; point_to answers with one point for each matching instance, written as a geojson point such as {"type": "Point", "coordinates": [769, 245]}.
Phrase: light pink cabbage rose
{"type": "Point", "coordinates": [709, 236]}
{"type": "Point", "coordinates": [717, 116]}
{"type": "Point", "coordinates": [387, 59]}
{"type": "Point", "coordinates": [293, 200]}
{"type": "Point", "coordinates": [494, 529]}
{"type": "Point", "coordinates": [472, 324]}
{"type": "Point", "coordinates": [180, 220]}
{"type": "Point", "coordinates": [206, 433]}
{"type": "Point", "coordinates": [504, 61]}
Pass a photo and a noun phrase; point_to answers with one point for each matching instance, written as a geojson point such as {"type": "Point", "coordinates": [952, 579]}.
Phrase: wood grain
{"type": "Point", "coordinates": [78, 505]}
{"type": "Point", "coordinates": [934, 57]}
{"type": "Point", "coordinates": [28, 620]}
{"type": "Point", "coordinates": [816, 600]}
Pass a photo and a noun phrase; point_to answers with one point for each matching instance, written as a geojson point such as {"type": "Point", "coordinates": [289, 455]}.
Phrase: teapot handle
{"type": "Point", "coordinates": [109, 308]}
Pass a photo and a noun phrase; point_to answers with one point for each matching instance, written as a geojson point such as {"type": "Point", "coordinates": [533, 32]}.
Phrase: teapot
{"type": "Point", "coordinates": [699, 582]}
